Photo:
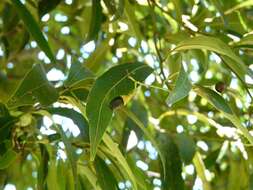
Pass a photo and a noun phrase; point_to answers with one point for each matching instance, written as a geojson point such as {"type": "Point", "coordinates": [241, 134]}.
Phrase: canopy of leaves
{"type": "Point", "coordinates": [126, 94]}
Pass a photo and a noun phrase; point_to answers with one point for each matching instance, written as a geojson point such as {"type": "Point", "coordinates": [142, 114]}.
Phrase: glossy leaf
{"type": "Point", "coordinates": [172, 178]}
{"type": "Point", "coordinates": [96, 20]}
{"type": "Point", "coordinates": [40, 90]}
{"type": "Point", "coordinates": [106, 88]}
{"type": "Point", "coordinates": [182, 88]}
{"type": "Point", "coordinates": [79, 76]}
{"type": "Point", "coordinates": [33, 28]}
{"type": "Point", "coordinates": [215, 99]}
{"type": "Point", "coordinates": [7, 159]}
{"type": "Point", "coordinates": [45, 6]}
{"type": "Point", "coordinates": [186, 147]}
{"type": "Point", "coordinates": [217, 46]}
{"type": "Point", "coordinates": [106, 178]}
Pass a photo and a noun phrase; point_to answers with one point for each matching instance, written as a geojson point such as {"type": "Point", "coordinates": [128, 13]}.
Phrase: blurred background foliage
{"type": "Point", "coordinates": [188, 125]}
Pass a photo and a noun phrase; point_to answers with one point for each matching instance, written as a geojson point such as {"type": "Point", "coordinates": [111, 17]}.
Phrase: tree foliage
{"type": "Point", "coordinates": [126, 94]}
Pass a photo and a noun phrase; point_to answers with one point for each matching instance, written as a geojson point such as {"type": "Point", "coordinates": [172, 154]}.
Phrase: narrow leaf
{"type": "Point", "coordinates": [173, 179]}
{"type": "Point", "coordinates": [216, 45]}
{"type": "Point", "coordinates": [33, 28]}
{"type": "Point", "coordinates": [96, 20]}
{"type": "Point", "coordinates": [215, 99]}
{"type": "Point", "coordinates": [34, 88]}
{"type": "Point", "coordinates": [45, 6]}
{"type": "Point", "coordinates": [182, 88]}
{"type": "Point", "coordinates": [6, 160]}
{"type": "Point", "coordinates": [113, 83]}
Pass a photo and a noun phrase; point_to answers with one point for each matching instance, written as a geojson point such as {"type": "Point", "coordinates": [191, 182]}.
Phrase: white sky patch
{"type": "Point", "coordinates": [144, 46]}
{"type": "Point", "coordinates": [60, 17]}
{"type": "Point", "coordinates": [1, 51]}
{"type": "Point", "coordinates": [233, 37]}
{"type": "Point", "coordinates": [192, 119]}
{"type": "Point", "coordinates": [132, 140]}
{"type": "Point", "coordinates": [150, 79]}
{"type": "Point", "coordinates": [68, 2]}
{"type": "Point", "coordinates": [215, 57]}
{"type": "Point", "coordinates": [67, 124]}
{"type": "Point", "coordinates": [208, 74]}
{"type": "Point", "coordinates": [45, 18]}
{"type": "Point", "coordinates": [189, 169]}
{"type": "Point", "coordinates": [188, 24]}
{"type": "Point", "coordinates": [157, 182]}
{"type": "Point", "coordinates": [123, 26]}
{"type": "Point", "coordinates": [122, 185]}
{"type": "Point", "coordinates": [132, 41]}
{"type": "Point", "coordinates": [194, 76]}
{"type": "Point", "coordinates": [198, 185]}
{"type": "Point", "coordinates": [9, 187]}
{"type": "Point", "coordinates": [89, 47]}
{"type": "Point", "coordinates": [202, 145]}
{"type": "Point", "coordinates": [180, 129]}
{"type": "Point", "coordinates": [141, 145]}
{"type": "Point", "coordinates": [55, 75]}
{"type": "Point", "coordinates": [65, 30]}
{"type": "Point", "coordinates": [142, 165]}
{"type": "Point", "coordinates": [234, 83]}
{"type": "Point", "coordinates": [60, 54]}
{"type": "Point", "coordinates": [248, 79]}
{"type": "Point", "coordinates": [33, 44]}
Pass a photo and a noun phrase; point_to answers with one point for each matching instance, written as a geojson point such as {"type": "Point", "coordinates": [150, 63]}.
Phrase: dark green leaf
{"type": "Point", "coordinates": [45, 6]}
{"type": "Point", "coordinates": [105, 176]}
{"type": "Point", "coordinates": [34, 88]}
{"type": "Point", "coordinates": [186, 147]}
{"type": "Point", "coordinates": [79, 76]}
{"type": "Point", "coordinates": [213, 98]}
{"type": "Point", "coordinates": [43, 167]}
{"type": "Point", "coordinates": [173, 178]}
{"type": "Point", "coordinates": [115, 82]}
{"type": "Point", "coordinates": [182, 88]}
{"type": "Point", "coordinates": [96, 20]}
{"type": "Point", "coordinates": [33, 28]}
{"type": "Point", "coordinates": [7, 159]}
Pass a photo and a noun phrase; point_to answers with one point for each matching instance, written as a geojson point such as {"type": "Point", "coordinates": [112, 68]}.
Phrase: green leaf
{"type": "Point", "coordinates": [7, 159]}
{"type": "Point", "coordinates": [113, 83]}
{"type": "Point", "coordinates": [45, 6]}
{"type": "Point", "coordinates": [173, 179]}
{"type": "Point", "coordinates": [215, 99]}
{"type": "Point", "coordinates": [33, 28]}
{"type": "Point", "coordinates": [114, 151]}
{"type": "Point", "coordinates": [79, 76]}
{"type": "Point", "coordinates": [96, 20]}
{"type": "Point", "coordinates": [214, 44]}
{"type": "Point", "coordinates": [132, 20]}
{"type": "Point", "coordinates": [34, 88]}
{"type": "Point", "coordinates": [241, 5]}
{"type": "Point", "coordinates": [43, 167]}
{"type": "Point", "coordinates": [182, 88]}
{"type": "Point", "coordinates": [105, 176]}
{"type": "Point", "coordinates": [186, 147]}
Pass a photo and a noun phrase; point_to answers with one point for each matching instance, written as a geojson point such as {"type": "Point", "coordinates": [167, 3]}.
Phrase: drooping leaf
{"type": "Point", "coordinates": [79, 76]}
{"type": "Point", "coordinates": [43, 167]}
{"type": "Point", "coordinates": [96, 20]}
{"type": "Point", "coordinates": [33, 28]}
{"type": "Point", "coordinates": [7, 159]}
{"type": "Point", "coordinates": [186, 147]}
{"type": "Point", "coordinates": [214, 44]}
{"type": "Point", "coordinates": [106, 178]}
{"type": "Point", "coordinates": [182, 88]}
{"type": "Point", "coordinates": [215, 99]}
{"type": "Point", "coordinates": [34, 88]}
{"type": "Point", "coordinates": [114, 151]}
{"type": "Point", "coordinates": [173, 179]}
{"type": "Point", "coordinates": [113, 83]}
{"type": "Point", "coordinates": [132, 21]}
{"type": "Point", "coordinates": [45, 6]}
